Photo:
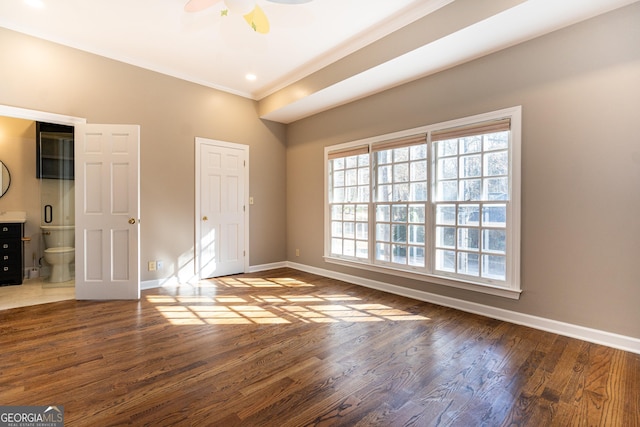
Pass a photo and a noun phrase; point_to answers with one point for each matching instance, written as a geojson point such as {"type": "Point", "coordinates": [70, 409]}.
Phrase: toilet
{"type": "Point", "coordinates": [59, 251]}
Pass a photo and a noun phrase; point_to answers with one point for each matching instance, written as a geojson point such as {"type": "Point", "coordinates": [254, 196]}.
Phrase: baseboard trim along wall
{"type": "Point", "coordinates": [596, 336]}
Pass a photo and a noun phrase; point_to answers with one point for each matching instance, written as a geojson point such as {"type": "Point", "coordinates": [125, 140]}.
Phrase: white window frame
{"type": "Point", "coordinates": [510, 288]}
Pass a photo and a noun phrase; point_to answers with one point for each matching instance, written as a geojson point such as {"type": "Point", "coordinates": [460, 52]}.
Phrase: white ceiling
{"type": "Point", "coordinates": [218, 51]}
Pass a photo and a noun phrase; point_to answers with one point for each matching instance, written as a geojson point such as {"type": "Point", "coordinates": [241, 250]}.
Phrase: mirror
{"type": "Point", "coordinates": [5, 179]}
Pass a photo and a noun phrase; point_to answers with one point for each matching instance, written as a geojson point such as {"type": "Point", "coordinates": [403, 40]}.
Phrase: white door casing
{"type": "Point", "coordinates": [107, 211]}
{"type": "Point", "coordinates": [221, 214]}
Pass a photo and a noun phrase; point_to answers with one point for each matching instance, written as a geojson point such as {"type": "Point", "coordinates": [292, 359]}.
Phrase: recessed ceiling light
{"type": "Point", "coordinates": [36, 4]}
{"type": "Point", "coordinates": [251, 77]}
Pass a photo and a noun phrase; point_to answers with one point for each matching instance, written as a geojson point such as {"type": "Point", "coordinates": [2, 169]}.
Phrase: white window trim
{"type": "Point", "coordinates": [512, 289]}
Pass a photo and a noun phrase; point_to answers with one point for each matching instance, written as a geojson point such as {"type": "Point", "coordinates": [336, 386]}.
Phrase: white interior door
{"type": "Point", "coordinates": [220, 208]}
{"type": "Point", "coordinates": [107, 211]}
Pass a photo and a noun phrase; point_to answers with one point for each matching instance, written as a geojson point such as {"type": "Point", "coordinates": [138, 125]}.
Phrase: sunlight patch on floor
{"type": "Point", "coordinates": [272, 309]}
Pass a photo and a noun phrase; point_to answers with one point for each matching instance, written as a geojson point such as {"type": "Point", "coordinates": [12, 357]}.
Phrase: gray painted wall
{"type": "Point", "coordinates": [580, 92]}
{"type": "Point", "coordinates": [39, 75]}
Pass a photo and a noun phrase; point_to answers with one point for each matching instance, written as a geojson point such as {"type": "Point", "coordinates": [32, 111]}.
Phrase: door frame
{"type": "Point", "coordinates": [199, 142]}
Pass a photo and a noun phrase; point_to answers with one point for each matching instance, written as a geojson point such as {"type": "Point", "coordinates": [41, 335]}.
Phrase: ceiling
{"type": "Point", "coordinates": [317, 55]}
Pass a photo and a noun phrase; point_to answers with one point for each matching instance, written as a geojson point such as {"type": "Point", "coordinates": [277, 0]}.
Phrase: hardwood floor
{"type": "Point", "coordinates": [286, 348]}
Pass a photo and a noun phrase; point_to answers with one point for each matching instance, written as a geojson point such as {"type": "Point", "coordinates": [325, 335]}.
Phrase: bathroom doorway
{"type": "Point", "coordinates": [25, 195]}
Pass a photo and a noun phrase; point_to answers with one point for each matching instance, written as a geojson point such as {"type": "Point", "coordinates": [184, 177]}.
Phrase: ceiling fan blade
{"type": "Point", "coordinates": [258, 20]}
{"type": "Point", "coordinates": [198, 5]}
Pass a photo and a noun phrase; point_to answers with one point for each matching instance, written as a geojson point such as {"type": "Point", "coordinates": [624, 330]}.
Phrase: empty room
{"type": "Point", "coordinates": [320, 212]}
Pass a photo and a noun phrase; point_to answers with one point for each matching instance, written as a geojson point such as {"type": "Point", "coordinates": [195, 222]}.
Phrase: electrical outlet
{"type": "Point", "coordinates": [152, 266]}
{"type": "Point", "coordinates": [159, 264]}
{"type": "Point", "coordinates": [297, 252]}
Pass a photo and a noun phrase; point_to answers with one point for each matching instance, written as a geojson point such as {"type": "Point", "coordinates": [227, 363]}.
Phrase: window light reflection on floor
{"type": "Point", "coordinates": [271, 309]}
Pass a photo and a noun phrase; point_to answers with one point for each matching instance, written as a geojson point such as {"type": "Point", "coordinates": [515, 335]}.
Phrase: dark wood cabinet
{"type": "Point", "coordinates": [11, 253]}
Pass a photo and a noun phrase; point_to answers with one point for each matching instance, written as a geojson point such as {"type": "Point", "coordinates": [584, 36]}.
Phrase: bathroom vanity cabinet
{"type": "Point", "coordinates": [11, 253]}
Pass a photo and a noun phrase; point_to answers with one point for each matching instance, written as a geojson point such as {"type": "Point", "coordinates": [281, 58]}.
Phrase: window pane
{"type": "Point", "coordinates": [399, 254]}
{"type": "Point", "coordinates": [496, 163]}
{"type": "Point", "coordinates": [418, 192]}
{"type": "Point", "coordinates": [418, 152]}
{"type": "Point", "coordinates": [338, 178]}
{"type": "Point", "coordinates": [351, 194]}
{"type": "Point", "coordinates": [401, 154]}
{"type": "Point", "coordinates": [448, 190]}
{"type": "Point", "coordinates": [399, 213]}
{"type": "Point", "coordinates": [362, 212]}
{"type": "Point", "coordinates": [363, 194]}
{"type": "Point", "coordinates": [383, 232]}
{"type": "Point", "coordinates": [336, 246]}
{"type": "Point", "coordinates": [401, 192]}
{"type": "Point", "coordinates": [446, 260]}
{"type": "Point", "coordinates": [362, 231]}
{"type": "Point", "coordinates": [384, 193]}
{"type": "Point", "coordinates": [494, 215]}
{"type": "Point", "coordinates": [497, 188]}
{"type": "Point", "coordinates": [471, 144]}
{"type": "Point", "coordinates": [363, 176]}
{"type": "Point", "coordinates": [363, 160]}
{"type": "Point", "coordinates": [446, 214]}
{"type": "Point", "coordinates": [494, 267]}
{"type": "Point", "coordinates": [416, 256]}
{"type": "Point", "coordinates": [419, 171]}
{"type": "Point", "coordinates": [362, 249]}
{"type": "Point", "coordinates": [416, 234]}
{"type": "Point", "coordinates": [338, 163]}
{"type": "Point", "coordinates": [471, 166]}
{"type": "Point", "coordinates": [496, 141]}
{"type": "Point", "coordinates": [384, 174]}
{"type": "Point", "coordinates": [336, 212]}
{"type": "Point", "coordinates": [336, 229]}
{"type": "Point", "coordinates": [494, 240]}
{"type": "Point", "coordinates": [349, 230]}
{"type": "Point", "coordinates": [383, 213]}
{"type": "Point", "coordinates": [447, 148]}
{"type": "Point", "coordinates": [349, 247]}
{"type": "Point", "coordinates": [416, 214]}
{"type": "Point", "coordinates": [384, 157]}
{"type": "Point", "coordinates": [338, 195]}
{"type": "Point", "coordinates": [469, 215]}
{"type": "Point", "coordinates": [351, 177]}
{"type": "Point", "coordinates": [471, 189]}
{"type": "Point", "coordinates": [383, 251]}
{"type": "Point", "coordinates": [399, 233]}
{"type": "Point", "coordinates": [446, 237]}
{"type": "Point", "coordinates": [468, 263]}
{"type": "Point", "coordinates": [351, 162]}
{"type": "Point", "coordinates": [349, 212]}
{"type": "Point", "coordinates": [448, 168]}
{"type": "Point", "coordinates": [401, 172]}
{"type": "Point", "coordinates": [469, 238]}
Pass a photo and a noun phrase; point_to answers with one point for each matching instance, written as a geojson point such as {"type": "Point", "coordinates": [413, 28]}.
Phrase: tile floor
{"type": "Point", "coordinates": [34, 291]}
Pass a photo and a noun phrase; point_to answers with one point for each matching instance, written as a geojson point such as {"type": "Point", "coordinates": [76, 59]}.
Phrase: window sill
{"type": "Point", "coordinates": [431, 278]}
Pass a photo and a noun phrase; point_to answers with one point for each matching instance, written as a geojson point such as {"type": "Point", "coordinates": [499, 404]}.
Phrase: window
{"type": "Point", "coordinates": [439, 201]}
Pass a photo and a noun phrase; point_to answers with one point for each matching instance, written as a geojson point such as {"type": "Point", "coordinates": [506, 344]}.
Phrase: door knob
{"type": "Point", "coordinates": [204, 218]}
{"type": "Point", "coordinates": [132, 221]}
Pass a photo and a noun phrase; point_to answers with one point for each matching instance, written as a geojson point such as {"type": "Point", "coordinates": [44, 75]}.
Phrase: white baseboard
{"type": "Point", "coordinates": [264, 267]}
{"type": "Point", "coordinates": [596, 336]}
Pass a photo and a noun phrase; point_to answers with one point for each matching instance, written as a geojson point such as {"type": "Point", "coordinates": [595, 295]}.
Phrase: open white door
{"type": "Point", "coordinates": [107, 211]}
{"type": "Point", "coordinates": [221, 221]}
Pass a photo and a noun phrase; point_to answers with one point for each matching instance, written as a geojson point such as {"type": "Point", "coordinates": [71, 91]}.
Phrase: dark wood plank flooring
{"type": "Point", "coordinates": [287, 348]}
